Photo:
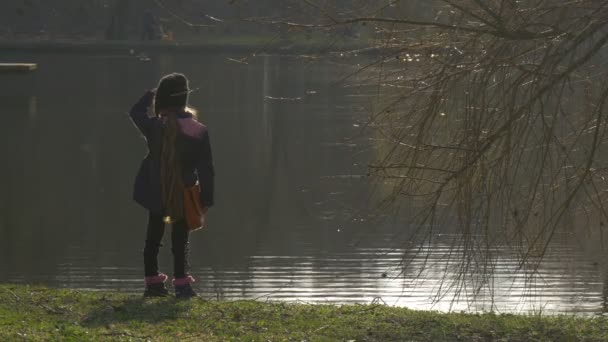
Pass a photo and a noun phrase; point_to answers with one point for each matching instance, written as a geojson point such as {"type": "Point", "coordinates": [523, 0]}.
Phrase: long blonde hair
{"type": "Point", "coordinates": [171, 98]}
{"type": "Point", "coordinates": [172, 185]}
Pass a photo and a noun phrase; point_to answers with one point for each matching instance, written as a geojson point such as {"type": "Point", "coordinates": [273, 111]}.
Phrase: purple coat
{"type": "Point", "coordinates": [193, 147]}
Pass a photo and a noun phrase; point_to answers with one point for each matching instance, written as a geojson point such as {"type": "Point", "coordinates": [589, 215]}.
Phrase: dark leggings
{"type": "Point", "coordinates": [179, 246]}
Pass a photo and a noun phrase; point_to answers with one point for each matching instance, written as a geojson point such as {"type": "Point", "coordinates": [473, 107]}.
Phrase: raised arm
{"type": "Point", "coordinates": [139, 112]}
{"type": "Point", "coordinates": [206, 172]}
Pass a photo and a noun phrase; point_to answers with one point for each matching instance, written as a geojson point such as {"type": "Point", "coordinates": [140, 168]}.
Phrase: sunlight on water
{"type": "Point", "coordinates": [375, 276]}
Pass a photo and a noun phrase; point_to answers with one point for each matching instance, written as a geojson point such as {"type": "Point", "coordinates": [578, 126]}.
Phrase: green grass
{"type": "Point", "coordinates": [43, 314]}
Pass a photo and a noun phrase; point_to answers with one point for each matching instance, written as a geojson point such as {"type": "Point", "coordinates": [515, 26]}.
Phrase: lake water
{"type": "Point", "coordinates": [292, 220]}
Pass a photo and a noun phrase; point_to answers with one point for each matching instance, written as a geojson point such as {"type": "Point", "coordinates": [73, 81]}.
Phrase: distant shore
{"type": "Point", "coordinates": [241, 44]}
{"type": "Point", "coordinates": [42, 314]}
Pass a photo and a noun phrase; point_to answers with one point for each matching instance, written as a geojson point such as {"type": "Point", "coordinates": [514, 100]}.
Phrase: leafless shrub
{"type": "Point", "coordinates": [491, 116]}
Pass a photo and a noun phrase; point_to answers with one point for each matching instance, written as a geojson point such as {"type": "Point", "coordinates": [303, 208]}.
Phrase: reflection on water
{"type": "Point", "coordinates": [290, 220]}
{"type": "Point", "coordinates": [366, 275]}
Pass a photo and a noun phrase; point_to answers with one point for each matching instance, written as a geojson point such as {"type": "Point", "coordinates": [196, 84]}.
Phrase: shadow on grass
{"type": "Point", "coordinates": [107, 312]}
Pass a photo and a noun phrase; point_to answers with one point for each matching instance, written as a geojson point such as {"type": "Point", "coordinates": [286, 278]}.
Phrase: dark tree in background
{"type": "Point", "coordinates": [190, 19]}
{"type": "Point", "coordinates": [119, 20]}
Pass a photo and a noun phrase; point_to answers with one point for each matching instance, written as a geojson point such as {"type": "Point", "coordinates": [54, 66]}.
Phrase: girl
{"type": "Point", "coordinates": [179, 155]}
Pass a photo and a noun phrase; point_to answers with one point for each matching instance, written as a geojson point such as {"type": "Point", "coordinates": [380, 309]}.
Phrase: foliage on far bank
{"type": "Point", "coordinates": [42, 314]}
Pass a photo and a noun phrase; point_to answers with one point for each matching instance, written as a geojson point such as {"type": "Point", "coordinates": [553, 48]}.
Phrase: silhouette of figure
{"type": "Point", "coordinates": [151, 28]}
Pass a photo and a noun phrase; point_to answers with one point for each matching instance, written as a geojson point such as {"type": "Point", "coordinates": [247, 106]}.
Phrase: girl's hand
{"type": "Point", "coordinates": [150, 93]}
{"type": "Point", "coordinates": [148, 97]}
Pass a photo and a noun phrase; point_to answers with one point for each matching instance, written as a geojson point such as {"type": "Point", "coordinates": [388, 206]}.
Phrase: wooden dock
{"type": "Point", "coordinates": [17, 67]}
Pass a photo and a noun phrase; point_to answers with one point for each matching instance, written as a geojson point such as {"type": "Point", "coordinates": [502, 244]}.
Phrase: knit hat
{"type": "Point", "coordinates": [172, 92]}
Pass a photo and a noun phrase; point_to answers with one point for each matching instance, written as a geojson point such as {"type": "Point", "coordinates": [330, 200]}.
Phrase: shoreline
{"type": "Point", "coordinates": [245, 44]}
{"type": "Point", "coordinates": [42, 313]}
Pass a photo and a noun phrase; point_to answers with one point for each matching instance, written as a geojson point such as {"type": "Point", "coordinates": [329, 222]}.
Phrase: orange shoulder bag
{"type": "Point", "coordinates": [193, 209]}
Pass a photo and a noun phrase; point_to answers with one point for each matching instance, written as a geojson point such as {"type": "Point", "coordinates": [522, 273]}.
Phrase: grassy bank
{"type": "Point", "coordinates": [42, 314]}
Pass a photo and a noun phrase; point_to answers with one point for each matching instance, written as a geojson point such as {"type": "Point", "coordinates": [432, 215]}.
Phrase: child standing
{"type": "Point", "coordinates": [179, 155]}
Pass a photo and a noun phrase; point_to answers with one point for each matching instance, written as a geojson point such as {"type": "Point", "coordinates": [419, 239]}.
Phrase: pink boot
{"type": "Point", "coordinates": [155, 286]}
{"type": "Point", "coordinates": [183, 289]}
